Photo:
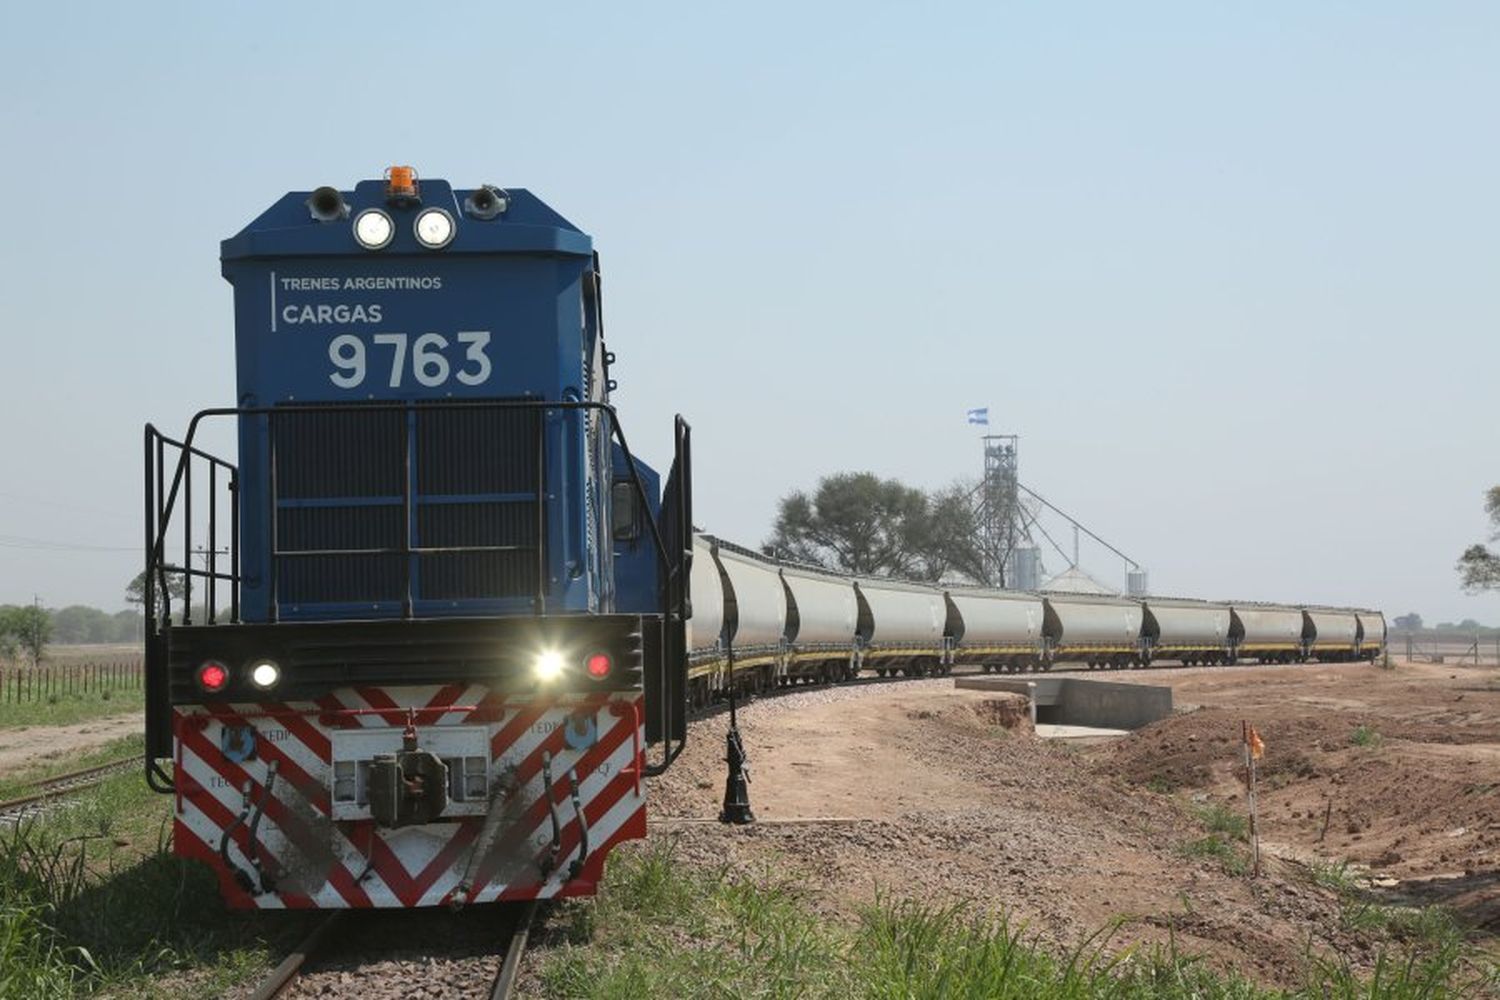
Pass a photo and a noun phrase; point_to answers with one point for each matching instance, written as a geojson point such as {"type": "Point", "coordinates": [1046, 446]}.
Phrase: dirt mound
{"type": "Point", "coordinates": [1410, 798]}
{"type": "Point", "coordinates": [1005, 711]}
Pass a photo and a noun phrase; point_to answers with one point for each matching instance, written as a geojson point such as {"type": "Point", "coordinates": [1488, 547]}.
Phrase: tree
{"type": "Point", "coordinates": [10, 643]}
{"type": "Point", "coordinates": [78, 624]}
{"type": "Point", "coordinates": [952, 543]}
{"type": "Point", "coordinates": [27, 628]}
{"type": "Point", "coordinates": [135, 590]}
{"type": "Point", "coordinates": [858, 523]}
{"type": "Point", "coordinates": [1478, 567]}
{"type": "Point", "coordinates": [855, 522]}
{"type": "Point", "coordinates": [1409, 622]}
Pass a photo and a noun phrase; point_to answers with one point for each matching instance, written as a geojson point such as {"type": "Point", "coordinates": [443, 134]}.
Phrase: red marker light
{"type": "Point", "coordinates": [599, 666]}
{"type": "Point", "coordinates": [213, 677]}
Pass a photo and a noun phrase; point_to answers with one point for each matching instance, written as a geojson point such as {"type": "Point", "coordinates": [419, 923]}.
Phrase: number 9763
{"type": "Point", "coordinates": [430, 364]}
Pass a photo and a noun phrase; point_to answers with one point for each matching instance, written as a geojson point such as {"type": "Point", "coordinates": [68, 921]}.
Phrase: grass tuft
{"type": "Point", "coordinates": [93, 899]}
{"type": "Point", "coordinates": [1215, 847]}
{"type": "Point", "coordinates": [1365, 736]}
{"type": "Point", "coordinates": [1221, 819]}
{"type": "Point", "coordinates": [1336, 875]}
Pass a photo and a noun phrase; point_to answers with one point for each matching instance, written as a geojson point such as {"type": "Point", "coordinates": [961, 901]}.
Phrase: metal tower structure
{"type": "Point", "coordinates": [1007, 513]}
{"type": "Point", "coordinates": [1010, 556]}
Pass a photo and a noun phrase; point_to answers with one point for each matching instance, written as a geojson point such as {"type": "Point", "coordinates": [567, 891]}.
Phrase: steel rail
{"type": "Point", "coordinates": [291, 967]}
{"type": "Point", "coordinates": [67, 783]}
{"type": "Point", "coordinates": [515, 950]}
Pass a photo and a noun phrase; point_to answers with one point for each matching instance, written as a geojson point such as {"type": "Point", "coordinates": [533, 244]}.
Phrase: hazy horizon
{"type": "Point", "coordinates": [1228, 272]}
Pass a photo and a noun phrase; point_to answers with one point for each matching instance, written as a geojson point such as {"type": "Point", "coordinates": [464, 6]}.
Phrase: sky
{"type": "Point", "coordinates": [1227, 269]}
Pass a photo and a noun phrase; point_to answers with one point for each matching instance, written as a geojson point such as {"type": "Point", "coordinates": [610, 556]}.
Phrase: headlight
{"type": "Point", "coordinates": [548, 666]}
{"type": "Point", "coordinates": [374, 229]}
{"type": "Point", "coordinates": [434, 228]}
{"type": "Point", "coordinates": [264, 674]}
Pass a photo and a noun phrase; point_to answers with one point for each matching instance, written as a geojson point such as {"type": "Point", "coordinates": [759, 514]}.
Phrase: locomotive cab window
{"type": "Point", "coordinates": [625, 512]}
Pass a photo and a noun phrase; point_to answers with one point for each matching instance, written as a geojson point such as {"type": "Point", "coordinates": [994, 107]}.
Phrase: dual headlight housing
{"type": "Point", "coordinates": [434, 228]}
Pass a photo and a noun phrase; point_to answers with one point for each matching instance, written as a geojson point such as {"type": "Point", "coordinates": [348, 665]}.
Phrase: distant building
{"type": "Point", "coordinates": [1076, 581]}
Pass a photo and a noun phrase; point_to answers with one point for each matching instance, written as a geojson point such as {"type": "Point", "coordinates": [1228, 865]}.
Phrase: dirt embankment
{"type": "Point", "coordinates": [932, 795]}
{"type": "Point", "coordinates": [1396, 770]}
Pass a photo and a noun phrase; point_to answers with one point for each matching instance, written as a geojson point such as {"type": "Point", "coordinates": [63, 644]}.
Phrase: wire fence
{"type": "Point", "coordinates": [1446, 647]}
{"type": "Point", "coordinates": [45, 681]}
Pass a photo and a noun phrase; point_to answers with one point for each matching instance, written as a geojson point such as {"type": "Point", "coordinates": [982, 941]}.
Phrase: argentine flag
{"type": "Point", "coordinates": [980, 416]}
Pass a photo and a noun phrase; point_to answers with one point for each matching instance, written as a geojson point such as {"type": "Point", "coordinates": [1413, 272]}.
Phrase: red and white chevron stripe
{"type": "Point", "coordinates": [317, 860]}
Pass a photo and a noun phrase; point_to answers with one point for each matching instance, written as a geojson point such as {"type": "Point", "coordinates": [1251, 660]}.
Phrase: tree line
{"type": "Point", "coordinates": [27, 629]}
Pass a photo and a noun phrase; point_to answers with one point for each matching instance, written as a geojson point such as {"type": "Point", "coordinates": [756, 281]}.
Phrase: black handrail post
{"type": "Point", "coordinates": [213, 542]}
{"type": "Point", "coordinates": [186, 538]}
{"type": "Point", "coordinates": [234, 545]}
{"type": "Point", "coordinates": [148, 590]}
{"type": "Point", "coordinates": [160, 543]}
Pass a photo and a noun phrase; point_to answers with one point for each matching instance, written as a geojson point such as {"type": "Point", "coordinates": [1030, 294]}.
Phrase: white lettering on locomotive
{"type": "Point", "coordinates": [295, 315]}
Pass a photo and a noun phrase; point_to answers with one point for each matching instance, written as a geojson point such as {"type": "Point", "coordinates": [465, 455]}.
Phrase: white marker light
{"type": "Point", "coordinates": [374, 229]}
{"type": "Point", "coordinates": [548, 666]}
{"type": "Point", "coordinates": [265, 674]}
{"type": "Point", "coordinates": [434, 228]}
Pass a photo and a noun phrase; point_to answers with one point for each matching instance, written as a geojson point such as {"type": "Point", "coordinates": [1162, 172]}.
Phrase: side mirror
{"type": "Point", "coordinates": [625, 512]}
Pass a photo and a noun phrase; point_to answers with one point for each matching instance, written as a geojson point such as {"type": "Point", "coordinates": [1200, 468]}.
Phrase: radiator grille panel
{"type": "Point", "coordinates": [473, 477]}
{"type": "Point", "coordinates": [476, 451]}
{"type": "Point", "coordinates": [339, 454]}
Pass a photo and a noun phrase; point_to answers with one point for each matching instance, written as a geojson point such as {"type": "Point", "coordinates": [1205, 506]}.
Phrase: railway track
{"type": "Point", "coordinates": [318, 944]}
{"type": "Point", "coordinates": [46, 791]}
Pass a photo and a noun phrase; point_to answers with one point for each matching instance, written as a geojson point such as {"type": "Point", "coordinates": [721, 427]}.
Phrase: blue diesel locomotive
{"type": "Point", "coordinates": [411, 646]}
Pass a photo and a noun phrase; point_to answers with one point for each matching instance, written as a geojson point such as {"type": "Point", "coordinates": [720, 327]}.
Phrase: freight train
{"type": "Point", "coordinates": [422, 639]}
{"type": "Point", "coordinates": [773, 623]}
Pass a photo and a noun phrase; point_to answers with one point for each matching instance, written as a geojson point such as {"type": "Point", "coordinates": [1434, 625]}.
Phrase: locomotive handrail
{"type": "Point", "coordinates": [159, 520]}
{"type": "Point", "coordinates": [674, 571]}
{"type": "Point", "coordinates": [404, 406]}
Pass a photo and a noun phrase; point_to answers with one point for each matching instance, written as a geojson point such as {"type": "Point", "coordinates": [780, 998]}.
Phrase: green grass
{"type": "Point", "coordinates": [1216, 848]}
{"type": "Point", "coordinates": [92, 900]}
{"type": "Point", "coordinates": [1426, 928]}
{"type": "Point", "coordinates": [659, 929]}
{"type": "Point", "coordinates": [1365, 736]}
{"type": "Point", "coordinates": [1221, 819]}
{"type": "Point", "coordinates": [18, 783]}
{"type": "Point", "coordinates": [62, 709]}
{"type": "Point", "coordinates": [1335, 875]}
